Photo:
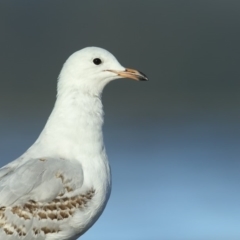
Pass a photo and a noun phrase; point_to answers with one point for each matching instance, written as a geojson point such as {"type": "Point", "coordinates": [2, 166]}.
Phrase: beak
{"type": "Point", "coordinates": [131, 73]}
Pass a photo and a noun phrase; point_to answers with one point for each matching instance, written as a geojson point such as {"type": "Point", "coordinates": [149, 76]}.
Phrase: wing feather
{"type": "Point", "coordinates": [39, 180]}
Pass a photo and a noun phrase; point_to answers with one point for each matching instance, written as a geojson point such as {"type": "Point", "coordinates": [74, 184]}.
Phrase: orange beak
{"type": "Point", "coordinates": [131, 73]}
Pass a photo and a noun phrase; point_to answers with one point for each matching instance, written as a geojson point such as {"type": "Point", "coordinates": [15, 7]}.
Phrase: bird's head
{"type": "Point", "coordinates": [91, 68]}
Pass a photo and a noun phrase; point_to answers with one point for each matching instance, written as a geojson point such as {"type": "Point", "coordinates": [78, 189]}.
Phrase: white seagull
{"type": "Point", "coordinates": [60, 186]}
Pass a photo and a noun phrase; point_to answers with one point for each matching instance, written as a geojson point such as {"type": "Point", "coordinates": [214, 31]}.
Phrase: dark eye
{"type": "Point", "coordinates": [97, 61]}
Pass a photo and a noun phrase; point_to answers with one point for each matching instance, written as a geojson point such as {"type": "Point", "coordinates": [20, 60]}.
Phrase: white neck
{"type": "Point", "coordinates": [74, 132]}
{"type": "Point", "coordinates": [75, 126]}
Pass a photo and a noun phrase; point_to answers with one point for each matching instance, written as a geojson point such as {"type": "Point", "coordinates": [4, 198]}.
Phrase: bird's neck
{"type": "Point", "coordinates": [75, 125]}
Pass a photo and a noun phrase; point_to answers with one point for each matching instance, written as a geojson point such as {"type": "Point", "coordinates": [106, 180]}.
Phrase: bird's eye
{"type": "Point", "coordinates": [97, 61]}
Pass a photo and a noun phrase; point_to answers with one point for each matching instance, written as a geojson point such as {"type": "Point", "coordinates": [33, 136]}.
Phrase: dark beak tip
{"type": "Point", "coordinates": [143, 77]}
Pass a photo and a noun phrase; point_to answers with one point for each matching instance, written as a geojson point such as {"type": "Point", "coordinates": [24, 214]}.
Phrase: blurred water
{"type": "Point", "coordinates": [171, 180]}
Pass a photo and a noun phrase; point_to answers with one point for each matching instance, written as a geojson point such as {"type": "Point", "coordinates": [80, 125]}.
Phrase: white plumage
{"type": "Point", "coordinates": [59, 187]}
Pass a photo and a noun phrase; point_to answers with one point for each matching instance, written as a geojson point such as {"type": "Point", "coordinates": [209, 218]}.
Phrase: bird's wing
{"type": "Point", "coordinates": [4, 171]}
{"type": "Point", "coordinates": [40, 195]}
{"type": "Point", "coordinates": [39, 180]}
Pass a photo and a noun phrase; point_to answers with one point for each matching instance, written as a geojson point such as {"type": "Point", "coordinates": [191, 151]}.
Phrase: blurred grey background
{"type": "Point", "coordinates": [173, 142]}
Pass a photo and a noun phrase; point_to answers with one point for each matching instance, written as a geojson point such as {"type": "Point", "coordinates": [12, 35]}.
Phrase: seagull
{"type": "Point", "coordinates": [60, 186]}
